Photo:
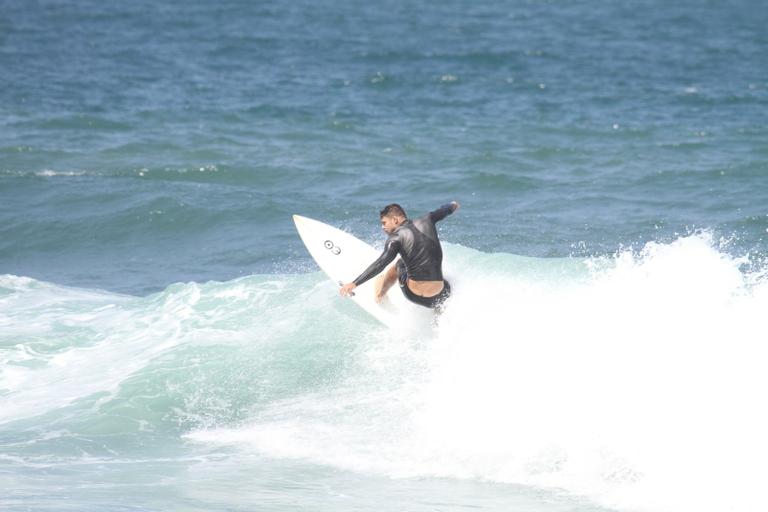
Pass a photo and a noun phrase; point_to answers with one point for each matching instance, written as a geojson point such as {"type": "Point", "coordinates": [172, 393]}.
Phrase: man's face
{"type": "Point", "coordinates": [389, 224]}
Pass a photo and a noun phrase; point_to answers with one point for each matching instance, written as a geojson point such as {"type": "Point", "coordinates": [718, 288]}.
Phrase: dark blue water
{"type": "Point", "coordinates": [146, 143]}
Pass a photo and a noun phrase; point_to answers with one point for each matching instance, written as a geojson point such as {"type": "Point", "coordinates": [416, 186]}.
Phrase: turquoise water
{"type": "Point", "coordinates": [166, 341]}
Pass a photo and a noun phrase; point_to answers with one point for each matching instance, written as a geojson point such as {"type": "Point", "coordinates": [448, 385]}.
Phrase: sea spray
{"type": "Point", "coordinates": [637, 387]}
{"type": "Point", "coordinates": [633, 380]}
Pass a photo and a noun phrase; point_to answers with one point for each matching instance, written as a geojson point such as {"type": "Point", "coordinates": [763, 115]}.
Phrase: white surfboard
{"type": "Point", "coordinates": [343, 257]}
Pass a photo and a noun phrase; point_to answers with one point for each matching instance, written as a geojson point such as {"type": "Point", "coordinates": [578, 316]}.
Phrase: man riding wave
{"type": "Point", "coordinates": [419, 270]}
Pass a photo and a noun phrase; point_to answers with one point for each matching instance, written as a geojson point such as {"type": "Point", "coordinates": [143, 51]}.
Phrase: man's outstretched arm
{"type": "Point", "coordinates": [444, 211]}
{"type": "Point", "coordinates": [391, 248]}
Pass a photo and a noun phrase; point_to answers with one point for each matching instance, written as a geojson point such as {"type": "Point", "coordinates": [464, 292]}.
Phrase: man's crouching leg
{"type": "Point", "coordinates": [384, 282]}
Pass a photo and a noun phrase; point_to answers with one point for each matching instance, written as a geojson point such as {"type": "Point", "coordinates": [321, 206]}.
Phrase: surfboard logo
{"type": "Point", "coordinates": [332, 247]}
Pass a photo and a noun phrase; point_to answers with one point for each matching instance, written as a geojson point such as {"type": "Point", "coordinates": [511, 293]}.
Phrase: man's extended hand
{"type": "Point", "coordinates": [455, 205]}
{"type": "Point", "coordinates": [346, 289]}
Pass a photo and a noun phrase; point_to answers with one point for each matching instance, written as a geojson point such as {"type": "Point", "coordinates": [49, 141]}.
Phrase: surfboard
{"type": "Point", "coordinates": [343, 257]}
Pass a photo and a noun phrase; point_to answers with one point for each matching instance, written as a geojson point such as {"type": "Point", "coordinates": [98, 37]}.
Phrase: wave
{"type": "Point", "coordinates": [635, 380]}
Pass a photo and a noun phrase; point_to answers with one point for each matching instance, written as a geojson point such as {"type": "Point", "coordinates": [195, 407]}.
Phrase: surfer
{"type": "Point", "coordinates": [419, 270]}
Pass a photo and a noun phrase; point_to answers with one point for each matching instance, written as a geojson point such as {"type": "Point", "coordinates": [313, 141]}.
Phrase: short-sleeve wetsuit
{"type": "Point", "coordinates": [419, 247]}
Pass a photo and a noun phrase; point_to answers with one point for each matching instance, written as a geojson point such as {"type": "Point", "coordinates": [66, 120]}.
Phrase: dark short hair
{"type": "Point", "coordinates": [392, 210]}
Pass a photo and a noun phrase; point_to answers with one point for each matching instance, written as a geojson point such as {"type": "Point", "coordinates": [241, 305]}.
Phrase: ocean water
{"type": "Point", "coordinates": [167, 343]}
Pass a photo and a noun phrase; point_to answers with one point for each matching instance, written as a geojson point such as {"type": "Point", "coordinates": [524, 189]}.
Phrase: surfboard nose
{"type": "Point", "coordinates": [301, 222]}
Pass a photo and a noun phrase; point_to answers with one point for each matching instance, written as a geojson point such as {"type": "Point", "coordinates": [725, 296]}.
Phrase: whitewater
{"type": "Point", "coordinates": [633, 381]}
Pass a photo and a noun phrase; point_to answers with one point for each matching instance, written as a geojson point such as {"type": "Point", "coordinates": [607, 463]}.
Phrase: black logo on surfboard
{"type": "Point", "coordinates": [332, 247]}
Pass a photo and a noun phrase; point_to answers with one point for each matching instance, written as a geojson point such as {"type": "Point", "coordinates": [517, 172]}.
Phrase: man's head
{"type": "Point", "coordinates": [391, 217]}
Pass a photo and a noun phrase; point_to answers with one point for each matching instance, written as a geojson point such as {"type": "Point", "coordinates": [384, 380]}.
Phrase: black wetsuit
{"type": "Point", "coordinates": [422, 257]}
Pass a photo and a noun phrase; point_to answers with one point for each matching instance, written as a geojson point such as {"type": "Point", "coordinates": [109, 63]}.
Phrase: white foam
{"type": "Point", "coordinates": [59, 344]}
{"type": "Point", "coordinates": [637, 382]}
{"type": "Point", "coordinates": [69, 367]}
{"type": "Point", "coordinates": [48, 173]}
